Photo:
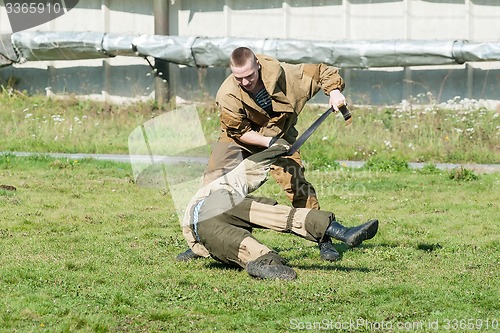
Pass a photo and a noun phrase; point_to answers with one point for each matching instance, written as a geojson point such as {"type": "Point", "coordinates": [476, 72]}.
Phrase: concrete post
{"type": "Point", "coordinates": [162, 91]}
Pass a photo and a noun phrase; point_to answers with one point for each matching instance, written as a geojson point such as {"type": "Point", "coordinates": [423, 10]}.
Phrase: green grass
{"type": "Point", "coordinates": [84, 249]}
{"type": "Point", "coordinates": [431, 135]}
{"type": "Point", "coordinates": [452, 133]}
{"type": "Point", "coordinates": [39, 124]}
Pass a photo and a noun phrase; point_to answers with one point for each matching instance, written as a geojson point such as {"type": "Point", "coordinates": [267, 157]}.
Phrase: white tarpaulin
{"type": "Point", "coordinates": [206, 51]}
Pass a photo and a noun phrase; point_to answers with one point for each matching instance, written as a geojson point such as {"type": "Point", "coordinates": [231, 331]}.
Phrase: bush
{"type": "Point", "coordinates": [392, 164]}
{"type": "Point", "coordinates": [429, 169]}
{"type": "Point", "coordinates": [462, 174]}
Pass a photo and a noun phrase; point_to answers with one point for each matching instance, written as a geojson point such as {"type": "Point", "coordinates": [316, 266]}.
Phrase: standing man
{"type": "Point", "coordinates": [259, 103]}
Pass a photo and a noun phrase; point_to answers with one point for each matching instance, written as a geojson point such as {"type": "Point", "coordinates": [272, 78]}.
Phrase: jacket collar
{"type": "Point", "coordinates": [274, 81]}
{"type": "Point", "coordinates": [270, 73]}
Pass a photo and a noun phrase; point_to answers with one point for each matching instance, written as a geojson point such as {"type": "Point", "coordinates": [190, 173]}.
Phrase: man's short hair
{"type": "Point", "coordinates": [240, 56]}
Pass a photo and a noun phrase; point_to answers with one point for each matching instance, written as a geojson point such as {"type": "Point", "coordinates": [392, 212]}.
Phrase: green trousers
{"type": "Point", "coordinates": [228, 235]}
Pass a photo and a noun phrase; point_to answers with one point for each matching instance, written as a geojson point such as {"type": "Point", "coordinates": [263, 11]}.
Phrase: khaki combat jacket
{"type": "Point", "coordinates": [290, 87]}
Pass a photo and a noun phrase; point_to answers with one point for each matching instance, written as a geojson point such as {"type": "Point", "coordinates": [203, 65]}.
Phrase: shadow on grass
{"type": "Point", "coordinates": [305, 254]}
{"type": "Point", "coordinates": [214, 264]}
{"type": "Point", "coordinates": [333, 266]}
{"type": "Point", "coordinates": [429, 247]}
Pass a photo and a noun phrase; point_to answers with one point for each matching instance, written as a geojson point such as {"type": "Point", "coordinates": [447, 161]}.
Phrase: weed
{"type": "Point", "coordinates": [429, 168]}
{"type": "Point", "coordinates": [462, 174]}
{"type": "Point", "coordinates": [392, 164]}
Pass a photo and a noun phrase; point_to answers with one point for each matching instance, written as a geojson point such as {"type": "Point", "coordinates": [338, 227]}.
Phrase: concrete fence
{"type": "Point", "coordinates": [319, 20]}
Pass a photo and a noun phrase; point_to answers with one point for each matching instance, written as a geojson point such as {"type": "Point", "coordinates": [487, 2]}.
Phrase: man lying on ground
{"type": "Point", "coordinates": [222, 214]}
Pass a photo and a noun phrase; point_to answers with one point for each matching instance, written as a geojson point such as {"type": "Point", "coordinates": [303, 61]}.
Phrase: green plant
{"type": "Point", "coordinates": [430, 168]}
{"type": "Point", "coordinates": [462, 174]}
{"type": "Point", "coordinates": [391, 164]}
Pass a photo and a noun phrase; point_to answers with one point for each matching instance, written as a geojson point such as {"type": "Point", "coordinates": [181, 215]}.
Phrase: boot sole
{"type": "Point", "coordinates": [188, 255]}
{"type": "Point", "coordinates": [327, 252]}
{"type": "Point", "coordinates": [330, 257]}
{"type": "Point", "coordinates": [271, 272]}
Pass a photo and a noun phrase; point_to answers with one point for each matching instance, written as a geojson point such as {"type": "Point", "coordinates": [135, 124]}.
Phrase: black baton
{"type": "Point", "coordinates": [300, 141]}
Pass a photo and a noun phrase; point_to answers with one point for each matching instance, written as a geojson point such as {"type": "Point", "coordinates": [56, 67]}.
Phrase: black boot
{"type": "Point", "coordinates": [327, 251]}
{"type": "Point", "coordinates": [352, 236]}
{"type": "Point", "coordinates": [187, 255]}
{"type": "Point", "coordinates": [270, 266]}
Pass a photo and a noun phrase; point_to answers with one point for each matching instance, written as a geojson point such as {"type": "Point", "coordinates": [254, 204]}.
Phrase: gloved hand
{"type": "Point", "coordinates": [277, 147]}
{"type": "Point", "coordinates": [279, 141]}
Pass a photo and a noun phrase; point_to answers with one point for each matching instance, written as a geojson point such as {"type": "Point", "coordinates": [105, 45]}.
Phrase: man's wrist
{"type": "Point", "coordinates": [272, 141]}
